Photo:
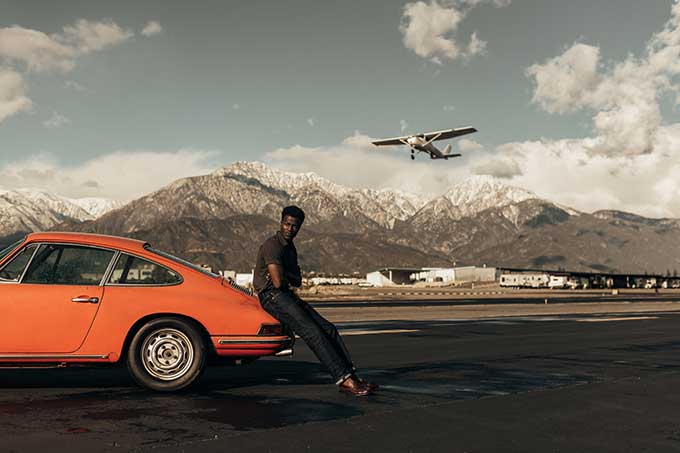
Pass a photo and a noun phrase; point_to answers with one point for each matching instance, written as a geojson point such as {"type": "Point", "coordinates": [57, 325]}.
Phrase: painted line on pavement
{"type": "Point", "coordinates": [631, 318]}
{"type": "Point", "coordinates": [346, 333]}
{"type": "Point", "coordinates": [375, 332]}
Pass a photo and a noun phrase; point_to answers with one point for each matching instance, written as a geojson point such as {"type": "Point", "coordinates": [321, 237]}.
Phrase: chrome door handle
{"type": "Point", "coordinates": [86, 300]}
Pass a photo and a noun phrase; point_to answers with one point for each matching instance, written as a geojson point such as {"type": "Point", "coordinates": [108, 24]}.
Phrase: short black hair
{"type": "Point", "coordinates": [293, 211]}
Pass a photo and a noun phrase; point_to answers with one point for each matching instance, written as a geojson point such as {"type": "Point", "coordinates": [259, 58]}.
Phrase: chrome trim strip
{"type": "Point", "coordinates": [29, 262]}
{"type": "Point", "coordinates": [49, 356]}
{"type": "Point", "coordinates": [148, 285]}
{"type": "Point", "coordinates": [110, 269]}
{"type": "Point", "coordinates": [254, 341]}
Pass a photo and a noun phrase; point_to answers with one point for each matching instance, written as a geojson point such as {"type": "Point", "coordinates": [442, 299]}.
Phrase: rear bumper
{"type": "Point", "coordinates": [255, 345]}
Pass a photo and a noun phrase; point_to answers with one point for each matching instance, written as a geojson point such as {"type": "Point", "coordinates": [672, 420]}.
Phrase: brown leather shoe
{"type": "Point", "coordinates": [353, 387]}
{"type": "Point", "coordinates": [371, 386]}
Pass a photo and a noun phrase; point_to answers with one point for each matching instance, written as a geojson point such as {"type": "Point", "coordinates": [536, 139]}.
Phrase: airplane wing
{"type": "Point", "coordinates": [391, 141]}
{"type": "Point", "coordinates": [449, 133]}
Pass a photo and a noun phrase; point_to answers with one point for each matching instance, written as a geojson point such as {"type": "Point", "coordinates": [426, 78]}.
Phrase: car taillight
{"type": "Point", "coordinates": [271, 329]}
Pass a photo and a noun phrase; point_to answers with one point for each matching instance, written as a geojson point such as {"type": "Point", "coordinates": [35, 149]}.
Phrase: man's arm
{"type": "Point", "coordinates": [279, 279]}
{"type": "Point", "coordinates": [293, 273]}
{"type": "Point", "coordinates": [295, 279]}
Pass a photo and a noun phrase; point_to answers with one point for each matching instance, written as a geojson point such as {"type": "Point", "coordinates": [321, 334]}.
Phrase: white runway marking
{"type": "Point", "coordinates": [346, 333]}
{"type": "Point", "coordinates": [631, 318]}
{"type": "Point", "coordinates": [376, 332]}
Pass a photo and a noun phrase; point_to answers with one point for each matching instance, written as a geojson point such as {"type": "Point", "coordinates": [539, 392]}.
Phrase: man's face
{"type": "Point", "coordinates": [290, 227]}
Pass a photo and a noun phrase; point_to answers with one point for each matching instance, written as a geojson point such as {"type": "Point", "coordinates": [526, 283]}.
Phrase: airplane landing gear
{"type": "Point", "coordinates": [413, 157]}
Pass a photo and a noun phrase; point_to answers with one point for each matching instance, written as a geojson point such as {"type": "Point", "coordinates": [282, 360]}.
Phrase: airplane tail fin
{"type": "Point", "coordinates": [446, 152]}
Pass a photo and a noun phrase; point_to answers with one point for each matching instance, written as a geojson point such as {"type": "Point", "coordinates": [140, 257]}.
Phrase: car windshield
{"type": "Point", "coordinates": [6, 251]}
{"type": "Point", "coordinates": [181, 261]}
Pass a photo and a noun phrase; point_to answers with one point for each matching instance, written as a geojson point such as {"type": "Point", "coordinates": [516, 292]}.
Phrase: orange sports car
{"type": "Point", "coordinates": [70, 298]}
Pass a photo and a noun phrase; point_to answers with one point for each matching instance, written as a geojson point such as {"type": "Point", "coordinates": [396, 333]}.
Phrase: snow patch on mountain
{"type": "Point", "coordinates": [479, 193]}
{"type": "Point", "coordinates": [96, 207]}
{"type": "Point", "coordinates": [279, 179]}
{"type": "Point", "coordinates": [383, 206]}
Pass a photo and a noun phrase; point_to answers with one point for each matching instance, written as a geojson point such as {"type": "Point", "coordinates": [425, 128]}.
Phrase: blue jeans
{"type": "Point", "coordinates": [321, 336]}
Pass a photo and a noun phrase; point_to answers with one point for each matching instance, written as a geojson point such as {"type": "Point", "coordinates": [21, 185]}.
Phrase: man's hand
{"type": "Point", "coordinates": [277, 276]}
{"type": "Point", "coordinates": [293, 280]}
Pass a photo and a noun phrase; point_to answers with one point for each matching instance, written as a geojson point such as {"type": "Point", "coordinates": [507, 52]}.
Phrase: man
{"type": "Point", "coordinates": [276, 270]}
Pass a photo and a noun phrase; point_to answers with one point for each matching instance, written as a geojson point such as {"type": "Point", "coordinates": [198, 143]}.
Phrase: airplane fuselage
{"type": "Point", "coordinates": [422, 145]}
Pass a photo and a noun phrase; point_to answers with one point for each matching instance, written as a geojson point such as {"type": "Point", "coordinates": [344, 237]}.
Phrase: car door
{"type": "Point", "coordinates": [48, 306]}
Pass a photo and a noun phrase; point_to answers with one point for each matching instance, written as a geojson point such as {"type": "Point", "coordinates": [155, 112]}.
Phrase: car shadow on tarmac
{"type": "Point", "coordinates": [265, 394]}
{"type": "Point", "coordinates": [450, 379]}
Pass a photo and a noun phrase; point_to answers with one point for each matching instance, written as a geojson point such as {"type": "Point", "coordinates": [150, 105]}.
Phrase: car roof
{"type": "Point", "coordinates": [102, 240]}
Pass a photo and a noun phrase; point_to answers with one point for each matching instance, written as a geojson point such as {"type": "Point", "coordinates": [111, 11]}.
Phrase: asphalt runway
{"type": "Point", "coordinates": [606, 382]}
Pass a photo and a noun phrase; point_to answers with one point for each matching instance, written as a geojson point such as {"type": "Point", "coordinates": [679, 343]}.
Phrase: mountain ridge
{"type": "Point", "coordinates": [220, 218]}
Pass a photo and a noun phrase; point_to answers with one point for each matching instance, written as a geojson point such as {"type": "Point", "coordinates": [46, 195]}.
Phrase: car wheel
{"type": "Point", "coordinates": [166, 354]}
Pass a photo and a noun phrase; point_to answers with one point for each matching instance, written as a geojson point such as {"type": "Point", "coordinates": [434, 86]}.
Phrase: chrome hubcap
{"type": "Point", "coordinates": [167, 354]}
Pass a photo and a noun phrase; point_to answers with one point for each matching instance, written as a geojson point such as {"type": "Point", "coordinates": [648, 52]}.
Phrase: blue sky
{"type": "Point", "coordinates": [116, 99]}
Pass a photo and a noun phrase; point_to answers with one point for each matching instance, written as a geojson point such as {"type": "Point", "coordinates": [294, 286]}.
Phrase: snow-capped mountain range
{"type": "Point", "coordinates": [236, 189]}
{"type": "Point", "coordinates": [35, 209]}
{"type": "Point", "coordinates": [220, 218]}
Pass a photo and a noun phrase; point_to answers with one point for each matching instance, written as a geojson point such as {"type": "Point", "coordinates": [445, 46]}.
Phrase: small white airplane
{"type": "Point", "coordinates": [423, 142]}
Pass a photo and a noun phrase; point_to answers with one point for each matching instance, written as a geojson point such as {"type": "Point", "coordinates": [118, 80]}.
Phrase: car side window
{"type": "Point", "coordinates": [56, 264]}
{"type": "Point", "coordinates": [131, 270]}
{"type": "Point", "coordinates": [12, 271]}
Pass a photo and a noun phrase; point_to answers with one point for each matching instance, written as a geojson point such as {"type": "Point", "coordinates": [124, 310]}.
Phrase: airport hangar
{"type": "Point", "coordinates": [391, 276]}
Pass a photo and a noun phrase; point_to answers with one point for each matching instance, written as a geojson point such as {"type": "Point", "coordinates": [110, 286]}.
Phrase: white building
{"type": "Point", "coordinates": [391, 276]}
{"type": "Point", "coordinates": [244, 279]}
{"type": "Point", "coordinates": [400, 276]}
{"type": "Point", "coordinates": [457, 274]}
{"type": "Point", "coordinates": [332, 281]}
{"type": "Point", "coordinates": [228, 274]}
{"type": "Point", "coordinates": [525, 280]}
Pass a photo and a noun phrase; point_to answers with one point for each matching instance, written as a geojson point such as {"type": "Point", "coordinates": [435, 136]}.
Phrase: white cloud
{"type": "Point", "coordinates": [623, 96]}
{"type": "Point", "coordinates": [311, 122]}
{"type": "Point", "coordinates": [152, 28]}
{"type": "Point", "coordinates": [567, 172]}
{"type": "Point", "coordinates": [403, 125]}
{"type": "Point", "coordinates": [13, 97]}
{"type": "Point", "coordinates": [32, 50]}
{"type": "Point", "coordinates": [498, 167]}
{"type": "Point", "coordinates": [449, 108]}
{"type": "Point", "coordinates": [428, 29]}
{"type": "Point", "coordinates": [87, 36]}
{"type": "Point", "coordinates": [42, 52]}
{"type": "Point", "coordinates": [145, 172]}
{"type": "Point", "coordinates": [235, 106]}
{"type": "Point", "coordinates": [466, 144]}
{"type": "Point", "coordinates": [565, 83]}
{"type": "Point", "coordinates": [37, 50]}
{"type": "Point", "coordinates": [56, 121]}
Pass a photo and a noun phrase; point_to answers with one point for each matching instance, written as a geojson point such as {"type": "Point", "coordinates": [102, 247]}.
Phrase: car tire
{"type": "Point", "coordinates": [167, 354]}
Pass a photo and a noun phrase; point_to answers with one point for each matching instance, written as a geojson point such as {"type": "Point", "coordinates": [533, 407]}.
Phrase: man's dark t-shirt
{"type": "Point", "coordinates": [276, 250]}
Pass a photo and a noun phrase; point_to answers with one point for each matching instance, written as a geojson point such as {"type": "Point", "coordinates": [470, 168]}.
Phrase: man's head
{"type": "Point", "coordinates": [292, 218]}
